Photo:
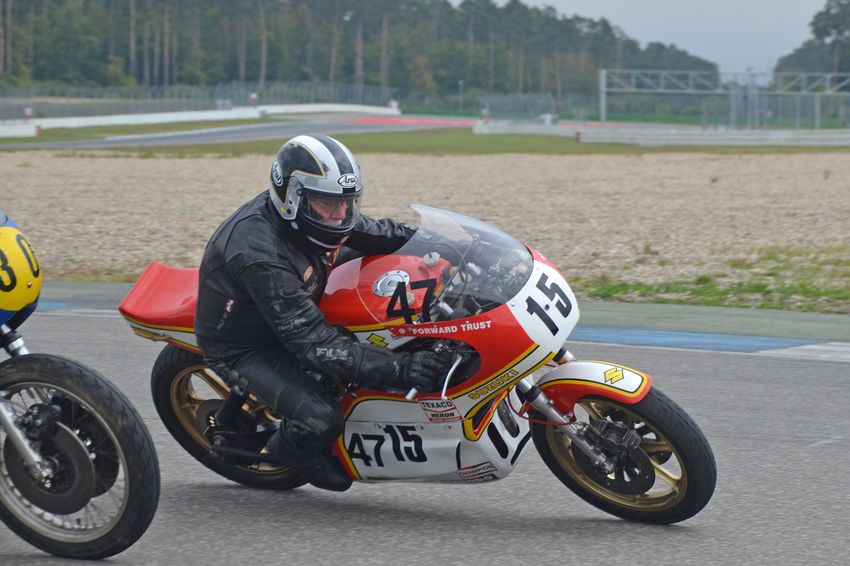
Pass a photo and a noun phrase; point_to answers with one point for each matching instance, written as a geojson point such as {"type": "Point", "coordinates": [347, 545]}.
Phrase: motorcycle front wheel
{"type": "Point", "coordinates": [105, 482]}
{"type": "Point", "coordinates": [186, 394]}
{"type": "Point", "coordinates": [670, 477]}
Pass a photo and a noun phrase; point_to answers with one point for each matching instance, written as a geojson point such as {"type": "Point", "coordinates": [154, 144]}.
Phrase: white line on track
{"type": "Point", "coordinates": [832, 351]}
{"type": "Point", "coordinates": [89, 313]}
{"type": "Point", "coordinates": [825, 441]}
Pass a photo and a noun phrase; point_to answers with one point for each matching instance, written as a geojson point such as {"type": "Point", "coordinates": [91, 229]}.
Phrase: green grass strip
{"type": "Point", "coordinates": [705, 290]}
{"type": "Point", "coordinates": [455, 141]}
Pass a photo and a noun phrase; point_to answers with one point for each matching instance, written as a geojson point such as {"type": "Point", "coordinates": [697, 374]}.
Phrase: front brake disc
{"type": "Point", "coordinates": [73, 483]}
{"type": "Point", "coordinates": [633, 475]}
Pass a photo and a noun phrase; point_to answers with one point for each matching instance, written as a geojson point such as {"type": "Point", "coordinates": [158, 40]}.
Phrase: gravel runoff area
{"type": "Point", "coordinates": [640, 218]}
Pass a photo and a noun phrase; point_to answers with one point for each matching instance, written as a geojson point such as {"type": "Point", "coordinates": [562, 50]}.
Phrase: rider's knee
{"type": "Point", "coordinates": [316, 421]}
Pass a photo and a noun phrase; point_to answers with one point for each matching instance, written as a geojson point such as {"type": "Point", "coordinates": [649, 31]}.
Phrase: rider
{"type": "Point", "coordinates": [262, 275]}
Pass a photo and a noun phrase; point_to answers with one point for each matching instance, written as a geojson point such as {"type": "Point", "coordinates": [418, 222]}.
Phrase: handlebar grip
{"type": "Point", "coordinates": [411, 394]}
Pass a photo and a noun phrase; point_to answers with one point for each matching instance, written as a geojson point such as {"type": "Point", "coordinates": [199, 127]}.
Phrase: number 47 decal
{"type": "Point", "coordinates": [400, 307]}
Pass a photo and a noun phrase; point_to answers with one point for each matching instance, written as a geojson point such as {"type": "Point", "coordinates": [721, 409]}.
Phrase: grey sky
{"type": "Point", "coordinates": [735, 34]}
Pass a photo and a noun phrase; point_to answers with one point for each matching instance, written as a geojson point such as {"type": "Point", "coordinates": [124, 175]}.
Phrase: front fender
{"type": "Point", "coordinates": [569, 382]}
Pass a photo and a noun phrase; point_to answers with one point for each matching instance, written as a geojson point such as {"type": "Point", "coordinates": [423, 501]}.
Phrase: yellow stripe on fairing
{"type": "Point", "coordinates": [596, 385]}
{"type": "Point", "coordinates": [146, 325]}
{"type": "Point", "coordinates": [345, 455]}
{"type": "Point", "coordinates": [468, 431]}
{"type": "Point", "coordinates": [505, 368]}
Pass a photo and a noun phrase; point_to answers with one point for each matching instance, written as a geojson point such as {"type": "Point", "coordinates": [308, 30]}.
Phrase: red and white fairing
{"type": "Point", "coordinates": [457, 446]}
{"type": "Point", "coordinates": [470, 434]}
{"type": "Point", "coordinates": [458, 280]}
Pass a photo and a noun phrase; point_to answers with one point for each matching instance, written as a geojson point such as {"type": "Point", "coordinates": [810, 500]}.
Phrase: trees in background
{"type": "Point", "coordinates": [428, 47]}
{"type": "Point", "coordinates": [829, 49]}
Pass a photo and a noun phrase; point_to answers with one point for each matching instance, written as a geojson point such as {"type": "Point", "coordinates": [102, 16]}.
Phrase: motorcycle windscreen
{"type": "Point", "coordinates": [453, 267]}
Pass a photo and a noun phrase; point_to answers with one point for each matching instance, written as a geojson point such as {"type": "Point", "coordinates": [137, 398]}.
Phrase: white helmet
{"type": "Point", "coordinates": [316, 188]}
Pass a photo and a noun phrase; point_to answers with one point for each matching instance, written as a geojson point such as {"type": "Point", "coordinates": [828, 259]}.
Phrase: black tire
{"type": "Point", "coordinates": [171, 376]}
{"type": "Point", "coordinates": [674, 445]}
{"type": "Point", "coordinates": [115, 434]}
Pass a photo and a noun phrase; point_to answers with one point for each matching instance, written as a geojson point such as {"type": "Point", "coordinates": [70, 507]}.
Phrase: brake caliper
{"type": "Point", "coordinates": [613, 437]}
{"type": "Point", "coordinates": [633, 473]}
{"type": "Point", "coordinates": [39, 422]}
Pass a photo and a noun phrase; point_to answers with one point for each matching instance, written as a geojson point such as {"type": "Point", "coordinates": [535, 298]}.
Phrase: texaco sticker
{"type": "Point", "coordinates": [441, 411]}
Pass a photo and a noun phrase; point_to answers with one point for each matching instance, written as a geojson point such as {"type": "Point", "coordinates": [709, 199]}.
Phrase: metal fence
{"type": "Point", "coordinates": [62, 101]}
{"type": "Point", "coordinates": [726, 100]}
{"type": "Point", "coordinates": [649, 137]}
{"type": "Point", "coordinates": [533, 107]}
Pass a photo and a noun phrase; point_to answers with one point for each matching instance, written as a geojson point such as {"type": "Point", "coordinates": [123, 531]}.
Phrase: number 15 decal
{"type": "Point", "coordinates": [554, 293]}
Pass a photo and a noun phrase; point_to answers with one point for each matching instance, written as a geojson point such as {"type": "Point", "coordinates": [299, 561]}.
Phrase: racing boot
{"type": "Point", "coordinates": [323, 470]}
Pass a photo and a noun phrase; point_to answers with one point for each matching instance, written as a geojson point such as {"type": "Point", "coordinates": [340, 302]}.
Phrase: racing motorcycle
{"type": "Point", "coordinates": [503, 312]}
{"type": "Point", "coordinates": [79, 476]}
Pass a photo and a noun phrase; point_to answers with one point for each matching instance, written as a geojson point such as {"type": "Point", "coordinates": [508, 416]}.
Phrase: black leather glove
{"type": "Point", "coordinates": [425, 370]}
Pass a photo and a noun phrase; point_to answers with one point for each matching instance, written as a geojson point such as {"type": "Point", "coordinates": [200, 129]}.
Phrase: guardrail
{"type": "Point", "coordinates": [18, 129]}
{"type": "Point", "coordinates": [29, 128]}
{"type": "Point", "coordinates": [650, 138]}
{"type": "Point", "coordinates": [655, 135]}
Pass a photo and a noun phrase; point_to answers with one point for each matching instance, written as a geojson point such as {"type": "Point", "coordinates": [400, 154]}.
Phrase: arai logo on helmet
{"type": "Point", "coordinates": [347, 181]}
{"type": "Point", "coordinates": [277, 176]}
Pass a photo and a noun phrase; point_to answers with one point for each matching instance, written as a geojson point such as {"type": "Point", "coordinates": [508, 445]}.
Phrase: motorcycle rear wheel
{"type": "Point", "coordinates": [683, 473]}
{"type": "Point", "coordinates": [183, 389]}
{"type": "Point", "coordinates": [88, 513]}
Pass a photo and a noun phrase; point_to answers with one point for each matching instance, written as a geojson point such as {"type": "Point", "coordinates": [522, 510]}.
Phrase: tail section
{"type": "Point", "coordinates": [161, 305]}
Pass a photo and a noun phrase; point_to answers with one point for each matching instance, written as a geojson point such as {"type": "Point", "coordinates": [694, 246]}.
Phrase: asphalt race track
{"type": "Point", "coordinates": [774, 408]}
{"type": "Point", "coordinates": [294, 125]}
{"type": "Point", "coordinates": [778, 426]}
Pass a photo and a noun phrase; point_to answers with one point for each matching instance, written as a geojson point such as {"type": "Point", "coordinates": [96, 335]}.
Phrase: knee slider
{"type": "Point", "coordinates": [315, 422]}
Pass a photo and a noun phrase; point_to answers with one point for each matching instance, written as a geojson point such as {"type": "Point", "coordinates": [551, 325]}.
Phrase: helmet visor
{"type": "Point", "coordinates": [333, 212]}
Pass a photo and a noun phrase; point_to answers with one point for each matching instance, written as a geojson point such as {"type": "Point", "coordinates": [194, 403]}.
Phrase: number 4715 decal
{"type": "Point", "coordinates": [406, 445]}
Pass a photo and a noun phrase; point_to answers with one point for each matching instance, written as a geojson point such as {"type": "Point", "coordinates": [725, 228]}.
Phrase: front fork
{"type": "Point", "coordinates": [534, 396]}
{"type": "Point", "coordinates": [39, 467]}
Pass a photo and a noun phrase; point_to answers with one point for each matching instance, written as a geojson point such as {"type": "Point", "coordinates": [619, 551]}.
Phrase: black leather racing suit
{"type": "Point", "coordinates": [258, 323]}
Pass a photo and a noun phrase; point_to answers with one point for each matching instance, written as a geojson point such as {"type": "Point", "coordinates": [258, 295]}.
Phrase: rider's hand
{"type": "Point", "coordinates": [425, 370]}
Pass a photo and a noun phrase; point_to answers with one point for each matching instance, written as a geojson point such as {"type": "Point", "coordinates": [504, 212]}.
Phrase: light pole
{"type": "Point", "coordinates": [460, 90]}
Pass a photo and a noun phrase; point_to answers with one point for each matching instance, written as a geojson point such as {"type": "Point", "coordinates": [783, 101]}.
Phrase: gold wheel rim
{"type": "Point", "coordinates": [671, 479]}
{"type": "Point", "coordinates": [186, 398]}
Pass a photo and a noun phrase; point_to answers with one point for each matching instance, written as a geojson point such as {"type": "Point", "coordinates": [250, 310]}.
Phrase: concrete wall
{"type": "Point", "coordinates": [657, 135]}
{"type": "Point", "coordinates": [808, 138]}
{"type": "Point", "coordinates": [17, 128]}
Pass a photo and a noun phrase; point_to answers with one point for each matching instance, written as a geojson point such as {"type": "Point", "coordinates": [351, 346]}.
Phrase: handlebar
{"type": "Point", "coordinates": [411, 395]}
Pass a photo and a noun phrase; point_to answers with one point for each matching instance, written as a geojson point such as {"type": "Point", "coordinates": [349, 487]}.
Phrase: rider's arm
{"type": "Point", "coordinates": [383, 236]}
{"type": "Point", "coordinates": [302, 329]}
{"type": "Point", "coordinates": [386, 236]}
